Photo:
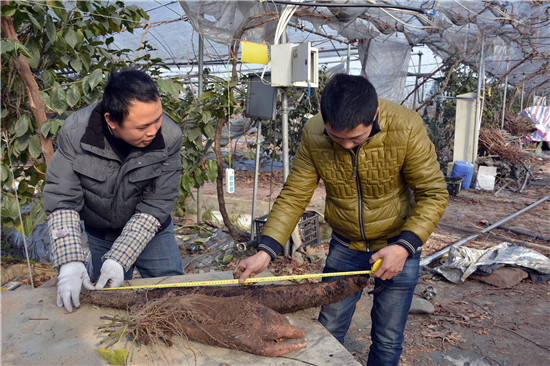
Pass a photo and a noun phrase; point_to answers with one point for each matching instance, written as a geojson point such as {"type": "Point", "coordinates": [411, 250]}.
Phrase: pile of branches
{"type": "Point", "coordinates": [513, 163]}
{"type": "Point", "coordinates": [517, 126]}
{"type": "Point", "coordinates": [492, 140]}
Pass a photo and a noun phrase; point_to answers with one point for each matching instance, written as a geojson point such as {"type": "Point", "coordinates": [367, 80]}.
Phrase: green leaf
{"type": "Point", "coordinates": [59, 9]}
{"type": "Point", "coordinates": [86, 60]}
{"type": "Point", "coordinates": [84, 6]}
{"type": "Point", "coordinates": [58, 100]}
{"type": "Point", "coordinates": [116, 357]}
{"type": "Point", "coordinates": [49, 78]}
{"type": "Point", "coordinates": [20, 144]}
{"type": "Point", "coordinates": [45, 128]}
{"type": "Point", "coordinates": [206, 116]}
{"type": "Point", "coordinates": [27, 226]}
{"type": "Point", "coordinates": [94, 79]}
{"type": "Point", "coordinates": [21, 126]}
{"type": "Point", "coordinates": [76, 64]}
{"type": "Point", "coordinates": [22, 50]}
{"type": "Point", "coordinates": [34, 146]}
{"type": "Point", "coordinates": [194, 133]}
{"type": "Point", "coordinates": [66, 59]}
{"type": "Point", "coordinates": [9, 207]}
{"type": "Point", "coordinates": [50, 28]}
{"type": "Point", "coordinates": [212, 171]}
{"type": "Point", "coordinates": [34, 59]}
{"type": "Point", "coordinates": [70, 38]}
{"type": "Point", "coordinates": [207, 95]}
{"type": "Point", "coordinates": [38, 215]}
{"type": "Point", "coordinates": [73, 95]}
{"type": "Point", "coordinates": [4, 173]}
{"type": "Point", "coordinates": [36, 25]}
{"type": "Point", "coordinates": [8, 10]}
{"type": "Point", "coordinates": [227, 258]}
{"type": "Point", "coordinates": [209, 131]}
{"type": "Point", "coordinates": [7, 45]}
{"type": "Point", "coordinates": [79, 35]}
{"type": "Point", "coordinates": [56, 123]}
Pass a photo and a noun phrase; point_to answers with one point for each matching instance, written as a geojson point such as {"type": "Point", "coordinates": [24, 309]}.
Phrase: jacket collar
{"type": "Point", "coordinates": [96, 129]}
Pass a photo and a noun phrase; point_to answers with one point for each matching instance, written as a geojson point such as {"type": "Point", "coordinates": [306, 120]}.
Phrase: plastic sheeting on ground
{"type": "Point", "coordinates": [463, 262]}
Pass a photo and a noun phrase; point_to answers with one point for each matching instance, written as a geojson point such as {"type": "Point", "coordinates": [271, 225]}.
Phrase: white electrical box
{"type": "Point", "coordinates": [295, 65]}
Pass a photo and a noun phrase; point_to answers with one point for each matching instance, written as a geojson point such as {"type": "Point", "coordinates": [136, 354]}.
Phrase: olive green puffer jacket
{"type": "Point", "coordinates": [392, 184]}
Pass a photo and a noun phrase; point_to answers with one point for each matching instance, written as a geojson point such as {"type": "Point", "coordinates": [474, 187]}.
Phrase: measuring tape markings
{"type": "Point", "coordinates": [375, 267]}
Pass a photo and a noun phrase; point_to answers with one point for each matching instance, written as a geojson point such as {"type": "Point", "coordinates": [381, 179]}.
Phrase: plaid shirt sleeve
{"type": "Point", "coordinates": [137, 233]}
{"type": "Point", "coordinates": [64, 230]}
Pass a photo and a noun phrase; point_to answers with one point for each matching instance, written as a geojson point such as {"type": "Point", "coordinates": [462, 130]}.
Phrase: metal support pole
{"type": "Point", "coordinates": [479, 107]}
{"type": "Point", "coordinates": [348, 59]}
{"type": "Point", "coordinates": [504, 96]}
{"type": "Point", "coordinates": [430, 258]}
{"type": "Point", "coordinates": [416, 78]}
{"type": "Point", "coordinates": [521, 99]}
{"type": "Point", "coordinates": [199, 93]}
{"type": "Point", "coordinates": [256, 173]}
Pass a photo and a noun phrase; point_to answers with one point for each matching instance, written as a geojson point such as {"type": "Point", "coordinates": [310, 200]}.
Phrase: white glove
{"type": "Point", "coordinates": [112, 273]}
{"type": "Point", "coordinates": [71, 277]}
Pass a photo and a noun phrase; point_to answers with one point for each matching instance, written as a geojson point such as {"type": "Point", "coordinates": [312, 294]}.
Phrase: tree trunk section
{"type": "Point", "coordinates": [35, 102]}
{"type": "Point", "coordinates": [281, 298]}
{"type": "Point", "coordinates": [219, 180]}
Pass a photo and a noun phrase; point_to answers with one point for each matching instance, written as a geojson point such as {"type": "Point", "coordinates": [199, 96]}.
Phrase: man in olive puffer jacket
{"type": "Point", "coordinates": [117, 169]}
{"type": "Point", "coordinates": [384, 195]}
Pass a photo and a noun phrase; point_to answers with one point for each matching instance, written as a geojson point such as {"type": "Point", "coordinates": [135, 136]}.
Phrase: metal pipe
{"type": "Point", "coordinates": [523, 232]}
{"type": "Point", "coordinates": [284, 129]}
{"type": "Point", "coordinates": [199, 93]}
{"type": "Point", "coordinates": [479, 107]}
{"type": "Point", "coordinates": [256, 173]}
{"type": "Point", "coordinates": [499, 237]}
{"type": "Point", "coordinates": [521, 99]}
{"type": "Point", "coordinates": [348, 59]}
{"type": "Point", "coordinates": [438, 254]}
{"type": "Point", "coordinates": [504, 96]}
{"type": "Point", "coordinates": [416, 79]}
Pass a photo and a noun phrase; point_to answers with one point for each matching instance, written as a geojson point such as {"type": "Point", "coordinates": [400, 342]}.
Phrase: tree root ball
{"type": "Point", "coordinates": [247, 318]}
{"type": "Point", "coordinates": [227, 322]}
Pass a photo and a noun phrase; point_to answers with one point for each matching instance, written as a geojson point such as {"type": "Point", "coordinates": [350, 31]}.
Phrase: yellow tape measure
{"type": "Point", "coordinates": [373, 269]}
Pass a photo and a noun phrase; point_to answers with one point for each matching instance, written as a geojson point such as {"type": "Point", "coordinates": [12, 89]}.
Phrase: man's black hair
{"type": "Point", "coordinates": [124, 87]}
{"type": "Point", "coordinates": [348, 101]}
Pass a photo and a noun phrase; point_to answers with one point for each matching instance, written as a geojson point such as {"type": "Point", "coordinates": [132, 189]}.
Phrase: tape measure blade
{"type": "Point", "coordinates": [248, 280]}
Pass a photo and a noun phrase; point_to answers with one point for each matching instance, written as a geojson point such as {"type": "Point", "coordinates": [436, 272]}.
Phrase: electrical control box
{"type": "Point", "coordinates": [261, 97]}
{"type": "Point", "coordinates": [295, 65]}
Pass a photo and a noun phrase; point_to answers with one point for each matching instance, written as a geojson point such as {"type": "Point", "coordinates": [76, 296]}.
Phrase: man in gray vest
{"type": "Point", "coordinates": [117, 168]}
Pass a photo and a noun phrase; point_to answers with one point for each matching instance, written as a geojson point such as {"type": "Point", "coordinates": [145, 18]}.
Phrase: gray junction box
{"type": "Point", "coordinates": [261, 97]}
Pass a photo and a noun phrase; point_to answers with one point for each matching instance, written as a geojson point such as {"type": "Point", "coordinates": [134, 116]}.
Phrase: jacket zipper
{"type": "Point", "coordinates": [355, 156]}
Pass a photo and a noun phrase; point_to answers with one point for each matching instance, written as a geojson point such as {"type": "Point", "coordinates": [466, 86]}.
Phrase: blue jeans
{"type": "Point", "coordinates": [390, 307]}
{"type": "Point", "coordinates": [161, 256]}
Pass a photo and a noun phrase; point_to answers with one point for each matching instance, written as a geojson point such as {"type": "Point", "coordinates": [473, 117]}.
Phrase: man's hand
{"type": "Point", "coordinates": [71, 277]}
{"type": "Point", "coordinates": [251, 266]}
{"type": "Point", "coordinates": [112, 274]}
{"type": "Point", "coordinates": [393, 260]}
